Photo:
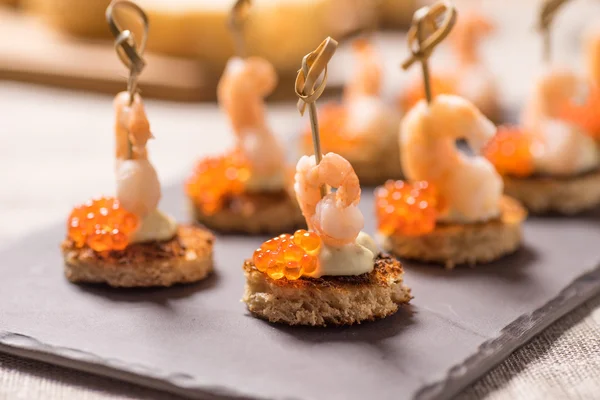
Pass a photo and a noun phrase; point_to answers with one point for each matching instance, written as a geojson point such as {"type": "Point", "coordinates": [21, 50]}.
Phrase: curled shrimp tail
{"type": "Point", "coordinates": [335, 217]}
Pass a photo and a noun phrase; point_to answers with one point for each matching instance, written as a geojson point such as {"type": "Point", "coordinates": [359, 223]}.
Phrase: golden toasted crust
{"type": "Point", "coordinates": [452, 244]}
{"type": "Point", "coordinates": [330, 300]}
{"type": "Point", "coordinates": [568, 195]}
{"type": "Point", "coordinates": [268, 212]}
{"type": "Point", "coordinates": [186, 258]}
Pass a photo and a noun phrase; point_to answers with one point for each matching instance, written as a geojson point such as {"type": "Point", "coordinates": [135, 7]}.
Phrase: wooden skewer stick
{"type": "Point", "coordinates": [129, 53]}
{"type": "Point", "coordinates": [425, 34]}
{"type": "Point", "coordinates": [313, 65]}
{"type": "Point", "coordinates": [548, 12]}
{"type": "Point", "coordinates": [237, 22]}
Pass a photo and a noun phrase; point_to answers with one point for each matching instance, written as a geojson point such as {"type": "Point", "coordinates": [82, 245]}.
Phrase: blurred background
{"type": "Point", "coordinates": [59, 73]}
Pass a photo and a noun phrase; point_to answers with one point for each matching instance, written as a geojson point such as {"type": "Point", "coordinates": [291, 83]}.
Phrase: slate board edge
{"type": "Point", "coordinates": [458, 377]}
{"type": "Point", "coordinates": [521, 330]}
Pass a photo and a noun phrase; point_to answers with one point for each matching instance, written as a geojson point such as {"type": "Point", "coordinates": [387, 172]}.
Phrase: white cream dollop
{"type": "Point", "coordinates": [156, 226]}
{"type": "Point", "coordinates": [352, 259]}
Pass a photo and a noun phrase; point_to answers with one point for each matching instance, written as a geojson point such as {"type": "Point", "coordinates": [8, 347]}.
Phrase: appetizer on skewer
{"type": "Point", "coordinates": [332, 274]}
{"type": "Point", "coordinates": [551, 163]}
{"type": "Point", "coordinates": [470, 77]}
{"type": "Point", "coordinates": [451, 209]}
{"type": "Point", "coordinates": [125, 241]}
{"type": "Point", "coordinates": [363, 127]}
{"type": "Point", "coordinates": [249, 188]}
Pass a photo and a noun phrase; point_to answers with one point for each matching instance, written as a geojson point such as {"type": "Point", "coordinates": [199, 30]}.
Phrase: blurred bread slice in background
{"type": "Point", "coordinates": [397, 14]}
{"type": "Point", "coordinates": [282, 31]}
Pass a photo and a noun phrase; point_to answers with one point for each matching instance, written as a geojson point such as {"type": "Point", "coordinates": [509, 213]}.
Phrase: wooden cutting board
{"type": "Point", "coordinates": [31, 52]}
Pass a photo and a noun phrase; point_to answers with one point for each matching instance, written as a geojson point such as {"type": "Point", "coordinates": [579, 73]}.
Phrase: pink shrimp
{"type": "Point", "coordinates": [138, 188]}
{"type": "Point", "coordinates": [241, 92]}
{"type": "Point", "coordinates": [335, 217]}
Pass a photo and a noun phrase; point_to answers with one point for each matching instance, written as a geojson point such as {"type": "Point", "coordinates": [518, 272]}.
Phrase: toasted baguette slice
{"type": "Point", "coordinates": [452, 244]}
{"type": "Point", "coordinates": [330, 300]}
{"type": "Point", "coordinates": [549, 194]}
{"type": "Point", "coordinates": [254, 213]}
{"type": "Point", "coordinates": [186, 258]}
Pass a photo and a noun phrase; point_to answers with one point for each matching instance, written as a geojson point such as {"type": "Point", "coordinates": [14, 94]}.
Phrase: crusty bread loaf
{"type": "Point", "coordinates": [550, 194]}
{"type": "Point", "coordinates": [11, 3]}
{"type": "Point", "coordinates": [453, 244]}
{"type": "Point", "coordinates": [281, 31]}
{"type": "Point", "coordinates": [330, 300]}
{"type": "Point", "coordinates": [254, 213]}
{"type": "Point", "coordinates": [186, 258]}
{"type": "Point", "coordinates": [396, 13]}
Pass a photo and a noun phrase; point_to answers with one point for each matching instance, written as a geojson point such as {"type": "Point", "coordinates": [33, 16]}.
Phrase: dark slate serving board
{"type": "Point", "coordinates": [199, 340]}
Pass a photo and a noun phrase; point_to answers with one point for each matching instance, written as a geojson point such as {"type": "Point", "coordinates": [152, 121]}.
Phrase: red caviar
{"type": "Point", "coordinates": [289, 256]}
{"type": "Point", "coordinates": [586, 115]}
{"type": "Point", "coordinates": [216, 178]}
{"type": "Point", "coordinates": [510, 152]}
{"type": "Point", "coordinates": [102, 224]}
{"type": "Point", "coordinates": [406, 208]}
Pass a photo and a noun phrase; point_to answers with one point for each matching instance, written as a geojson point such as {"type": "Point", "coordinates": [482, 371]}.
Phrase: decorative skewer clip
{"type": "Point", "coordinates": [238, 17]}
{"type": "Point", "coordinates": [425, 33]}
{"type": "Point", "coordinates": [127, 49]}
{"type": "Point", "coordinates": [130, 54]}
{"type": "Point", "coordinates": [547, 13]}
{"type": "Point", "coordinates": [309, 90]}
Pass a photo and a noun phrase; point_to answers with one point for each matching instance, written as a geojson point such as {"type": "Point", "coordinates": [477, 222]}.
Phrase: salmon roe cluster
{"type": "Point", "coordinates": [332, 118]}
{"type": "Point", "coordinates": [406, 208]}
{"type": "Point", "coordinates": [585, 115]}
{"type": "Point", "coordinates": [416, 92]}
{"type": "Point", "coordinates": [510, 152]}
{"type": "Point", "coordinates": [216, 178]}
{"type": "Point", "coordinates": [102, 224]}
{"type": "Point", "coordinates": [289, 256]}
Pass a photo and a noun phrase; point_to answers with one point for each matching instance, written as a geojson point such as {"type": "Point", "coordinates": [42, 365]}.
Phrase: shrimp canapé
{"type": "Point", "coordinates": [257, 164]}
{"type": "Point", "coordinates": [469, 186]}
{"type": "Point", "coordinates": [470, 78]}
{"type": "Point", "coordinates": [362, 125]}
{"type": "Point", "coordinates": [334, 222]}
{"type": "Point", "coordinates": [108, 223]}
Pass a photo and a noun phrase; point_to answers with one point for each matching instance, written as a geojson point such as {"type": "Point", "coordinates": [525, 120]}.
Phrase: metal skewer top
{"type": "Point", "coordinates": [425, 33]}
{"type": "Point", "coordinates": [125, 44]}
{"type": "Point", "coordinates": [238, 17]}
{"type": "Point", "coordinates": [309, 90]}
{"type": "Point", "coordinates": [547, 13]}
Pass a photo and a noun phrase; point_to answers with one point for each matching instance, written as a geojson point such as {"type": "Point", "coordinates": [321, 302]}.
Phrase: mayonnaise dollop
{"type": "Point", "coordinates": [352, 259]}
{"type": "Point", "coordinates": [156, 226]}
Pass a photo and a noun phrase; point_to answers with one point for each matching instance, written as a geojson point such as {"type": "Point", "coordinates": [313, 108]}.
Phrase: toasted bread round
{"type": "Point", "coordinates": [568, 195]}
{"type": "Point", "coordinates": [186, 258]}
{"type": "Point", "coordinates": [452, 244]}
{"type": "Point", "coordinates": [329, 300]}
{"type": "Point", "coordinates": [254, 213]}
